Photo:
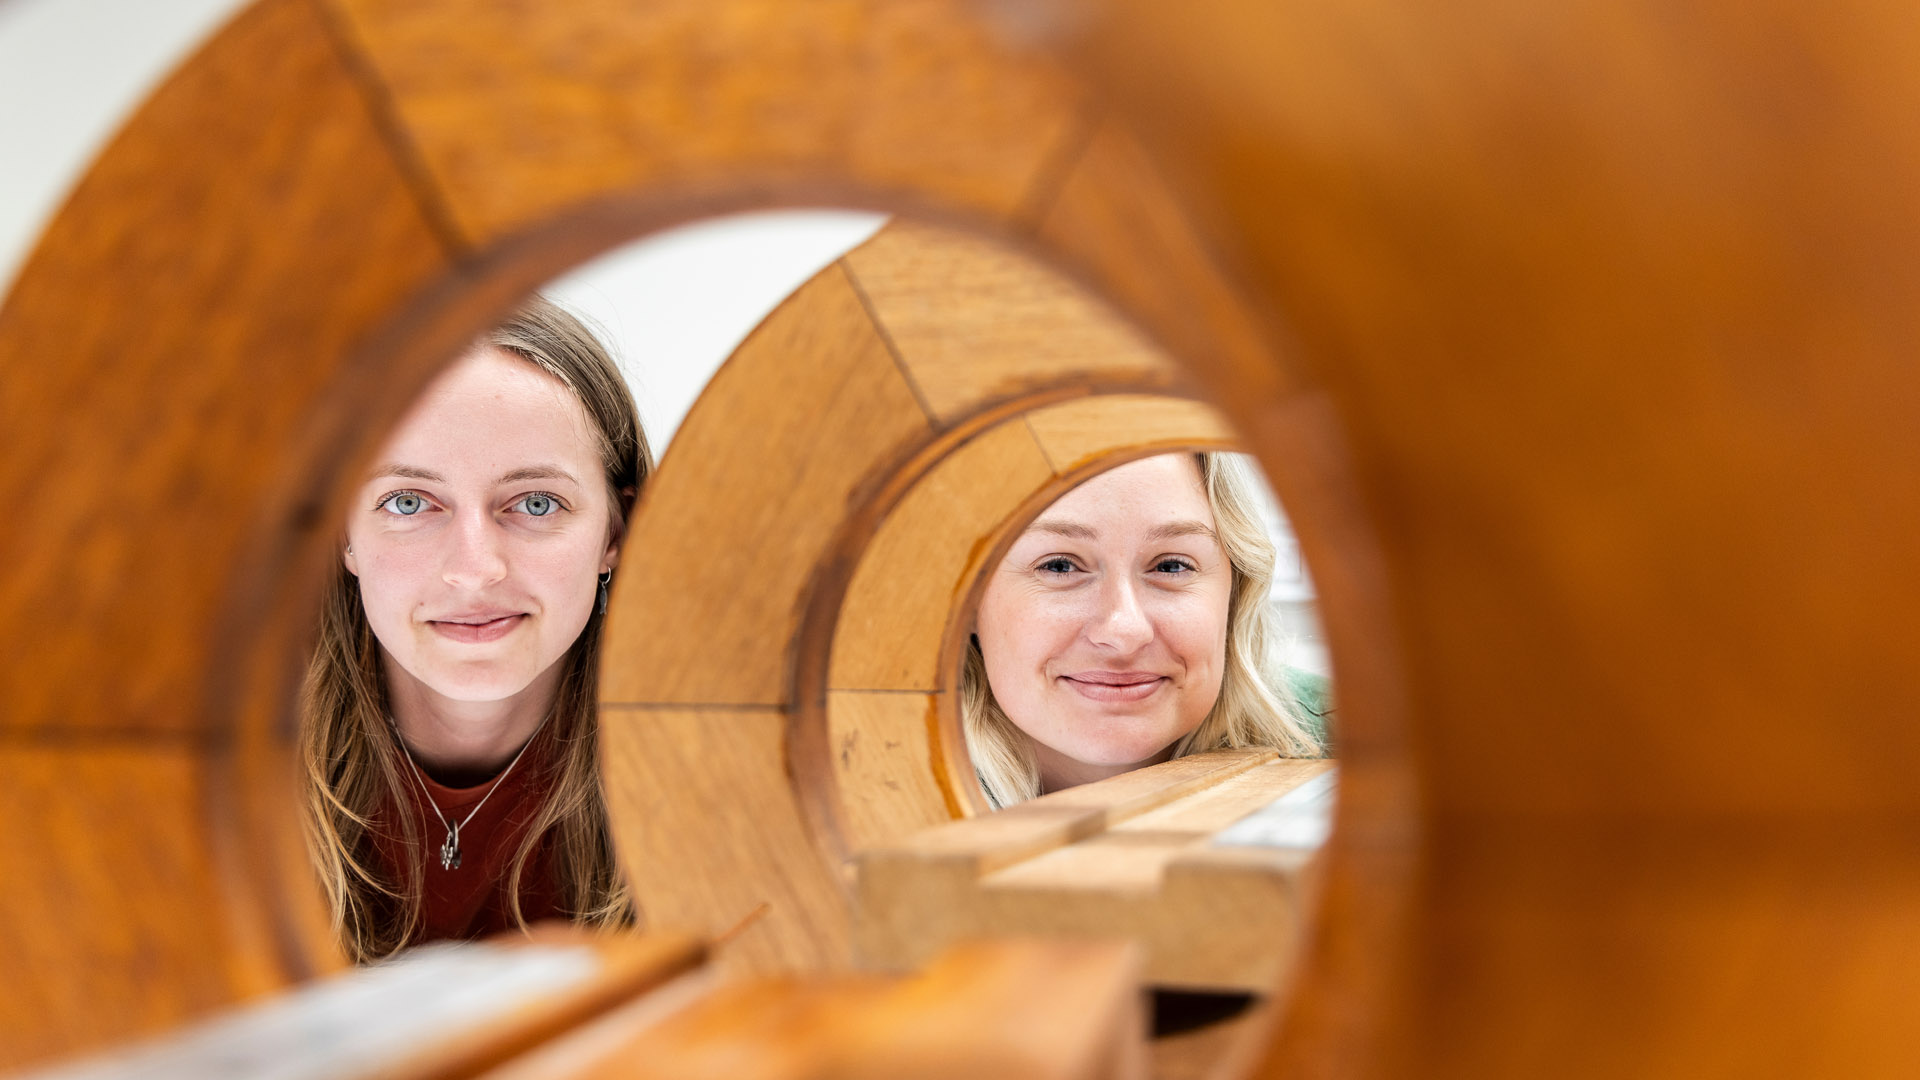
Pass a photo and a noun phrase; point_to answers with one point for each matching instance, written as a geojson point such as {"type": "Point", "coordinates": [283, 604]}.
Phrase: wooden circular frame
{"type": "Point", "coordinates": [205, 346]}
{"type": "Point", "coordinates": [828, 508]}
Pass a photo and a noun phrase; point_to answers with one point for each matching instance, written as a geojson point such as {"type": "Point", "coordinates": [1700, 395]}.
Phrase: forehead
{"type": "Point", "coordinates": [1138, 495]}
{"type": "Point", "coordinates": [492, 411]}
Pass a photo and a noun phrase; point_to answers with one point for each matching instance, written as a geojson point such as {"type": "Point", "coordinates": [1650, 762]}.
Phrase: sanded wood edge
{"type": "Point", "coordinates": [633, 965]}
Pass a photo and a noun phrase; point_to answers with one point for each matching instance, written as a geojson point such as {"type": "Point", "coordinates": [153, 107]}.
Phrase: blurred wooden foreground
{"type": "Point", "coordinates": [1595, 413]}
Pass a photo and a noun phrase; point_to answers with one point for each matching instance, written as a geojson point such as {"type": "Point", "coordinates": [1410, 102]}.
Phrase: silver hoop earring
{"type": "Point", "coordinates": [604, 579]}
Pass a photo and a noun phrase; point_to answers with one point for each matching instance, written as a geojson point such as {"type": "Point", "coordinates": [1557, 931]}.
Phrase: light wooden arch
{"type": "Point", "coordinates": [828, 505]}
{"type": "Point", "coordinates": [205, 343]}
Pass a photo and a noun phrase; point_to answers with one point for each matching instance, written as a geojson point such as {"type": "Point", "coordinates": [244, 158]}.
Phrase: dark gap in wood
{"type": "Point", "coordinates": [385, 113]}
{"type": "Point", "coordinates": [886, 339]}
{"type": "Point", "coordinates": [1177, 1011]}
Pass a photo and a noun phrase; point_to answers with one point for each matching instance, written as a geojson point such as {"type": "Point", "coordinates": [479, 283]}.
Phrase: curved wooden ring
{"type": "Point", "coordinates": [206, 345]}
{"type": "Point", "coordinates": [828, 505]}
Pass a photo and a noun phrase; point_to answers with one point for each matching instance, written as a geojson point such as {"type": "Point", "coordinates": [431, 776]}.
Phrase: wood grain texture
{"type": "Point", "coordinates": [1028, 1010]}
{"type": "Point", "coordinates": [179, 416]}
{"type": "Point", "coordinates": [843, 497]}
{"type": "Point", "coordinates": [583, 100]}
{"type": "Point", "coordinates": [105, 832]}
{"type": "Point", "coordinates": [1081, 434]}
{"type": "Point", "coordinates": [324, 205]}
{"type": "Point", "coordinates": [786, 441]}
{"type": "Point", "coordinates": [1114, 218]}
{"type": "Point", "coordinates": [918, 565]}
{"type": "Point", "coordinates": [169, 356]}
{"type": "Point", "coordinates": [1623, 341]}
{"type": "Point", "coordinates": [885, 777]}
{"type": "Point", "coordinates": [975, 322]}
{"type": "Point", "coordinates": [713, 840]}
{"type": "Point", "coordinates": [1125, 858]}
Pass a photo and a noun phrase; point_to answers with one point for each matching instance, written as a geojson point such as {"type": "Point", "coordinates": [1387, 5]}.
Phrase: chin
{"type": "Point", "coordinates": [1112, 753]}
{"type": "Point", "coordinates": [481, 685]}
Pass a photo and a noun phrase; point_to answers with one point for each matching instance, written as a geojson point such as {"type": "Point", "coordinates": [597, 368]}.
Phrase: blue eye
{"type": "Point", "coordinates": [1059, 564]}
{"type": "Point", "coordinates": [404, 503]}
{"type": "Point", "coordinates": [1173, 566]}
{"type": "Point", "coordinates": [539, 505]}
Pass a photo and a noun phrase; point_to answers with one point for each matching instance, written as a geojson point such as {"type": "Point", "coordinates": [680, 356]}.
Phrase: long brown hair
{"type": "Point", "coordinates": [353, 759]}
{"type": "Point", "coordinates": [1256, 707]}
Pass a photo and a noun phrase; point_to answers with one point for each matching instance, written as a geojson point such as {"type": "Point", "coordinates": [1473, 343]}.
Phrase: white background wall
{"type": "Point", "coordinates": [674, 305]}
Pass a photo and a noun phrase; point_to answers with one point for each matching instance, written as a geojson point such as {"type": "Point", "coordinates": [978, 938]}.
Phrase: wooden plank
{"type": "Point", "coordinates": [1115, 218]}
{"type": "Point", "coordinates": [104, 919]}
{"type": "Point", "coordinates": [714, 841]}
{"type": "Point", "coordinates": [174, 365]}
{"type": "Point", "coordinates": [521, 111]}
{"type": "Point", "coordinates": [790, 429]}
{"type": "Point", "coordinates": [449, 1011]}
{"type": "Point", "coordinates": [975, 321]}
{"type": "Point", "coordinates": [165, 352]}
{"type": "Point", "coordinates": [1128, 857]}
{"type": "Point", "coordinates": [920, 563]}
{"type": "Point", "coordinates": [1083, 432]}
{"type": "Point", "coordinates": [1026, 1010]}
{"type": "Point", "coordinates": [882, 746]}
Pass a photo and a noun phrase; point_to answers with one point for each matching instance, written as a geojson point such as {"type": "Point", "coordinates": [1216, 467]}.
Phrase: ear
{"type": "Point", "coordinates": [347, 560]}
{"type": "Point", "coordinates": [617, 531]}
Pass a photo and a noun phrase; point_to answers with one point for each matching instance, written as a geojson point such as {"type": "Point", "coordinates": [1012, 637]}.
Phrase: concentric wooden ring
{"type": "Point", "coordinates": [280, 249]}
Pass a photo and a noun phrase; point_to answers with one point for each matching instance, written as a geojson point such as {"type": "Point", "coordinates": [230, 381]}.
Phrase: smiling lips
{"type": "Point", "coordinates": [478, 626]}
{"type": "Point", "coordinates": [1114, 685]}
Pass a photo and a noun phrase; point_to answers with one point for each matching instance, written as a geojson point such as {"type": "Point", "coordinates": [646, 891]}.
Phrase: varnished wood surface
{"type": "Point", "coordinates": [875, 439]}
{"type": "Point", "coordinates": [275, 253]}
{"type": "Point", "coordinates": [1131, 857]}
{"type": "Point", "coordinates": [1046, 1011]}
{"type": "Point", "coordinates": [171, 354]}
{"type": "Point", "coordinates": [1602, 313]}
{"type": "Point", "coordinates": [1614, 301]}
{"type": "Point", "coordinates": [1021, 1011]}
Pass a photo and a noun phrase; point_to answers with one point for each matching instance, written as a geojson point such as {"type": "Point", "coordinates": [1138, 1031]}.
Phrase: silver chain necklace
{"type": "Point", "coordinates": [450, 848]}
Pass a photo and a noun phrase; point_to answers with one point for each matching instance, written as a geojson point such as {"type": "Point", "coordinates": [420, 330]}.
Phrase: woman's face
{"type": "Point", "coordinates": [479, 536]}
{"type": "Point", "coordinates": [1104, 630]}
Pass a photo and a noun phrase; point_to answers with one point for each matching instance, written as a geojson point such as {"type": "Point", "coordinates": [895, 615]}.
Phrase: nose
{"type": "Point", "coordinates": [1121, 623]}
{"type": "Point", "coordinates": [476, 559]}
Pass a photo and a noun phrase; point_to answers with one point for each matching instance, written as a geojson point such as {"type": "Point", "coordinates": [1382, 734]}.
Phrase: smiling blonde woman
{"type": "Point", "coordinates": [448, 721]}
{"type": "Point", "coordinates": [1128, 625]}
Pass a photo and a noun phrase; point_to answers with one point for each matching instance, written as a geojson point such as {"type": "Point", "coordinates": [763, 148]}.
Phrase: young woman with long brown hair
{"type": "Point", "coordinates": [449, 730]}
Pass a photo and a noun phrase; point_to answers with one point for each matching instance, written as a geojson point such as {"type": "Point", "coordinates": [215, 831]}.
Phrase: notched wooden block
{"type": "Point", "coordinates": [1139, 857]}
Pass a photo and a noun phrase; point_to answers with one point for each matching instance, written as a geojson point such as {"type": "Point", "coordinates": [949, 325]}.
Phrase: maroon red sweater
{"type": "Point", "coordinates": [471, 900]}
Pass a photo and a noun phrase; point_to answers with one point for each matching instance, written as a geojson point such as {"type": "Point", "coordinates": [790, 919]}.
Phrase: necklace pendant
{"type": "Point", "coordinates": [450, 852]}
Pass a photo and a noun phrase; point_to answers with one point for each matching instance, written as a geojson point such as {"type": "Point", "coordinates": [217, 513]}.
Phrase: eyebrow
{"type": "Point", "coordinates": [537, 472]}
{"type": "Point", "coordinates": [1077, 531]}
{"type": "Point", "coordinates": [408, 472]}
{"type": "Point", "coordinates": [530, 472]}
{"type": "Point", "coordinates": [1183, 528]}
{"type": "Point", "coordinates": [1072, 529]}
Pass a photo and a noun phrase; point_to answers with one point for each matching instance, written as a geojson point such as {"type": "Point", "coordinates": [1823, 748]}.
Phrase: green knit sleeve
{"type": "Point", "coordinates": [1314, 692]}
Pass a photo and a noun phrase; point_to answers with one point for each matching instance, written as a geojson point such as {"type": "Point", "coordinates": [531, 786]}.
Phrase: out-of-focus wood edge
{"type": "Point", "coordinates": [1011, 1010]}
{"type": "Point", "coordinates": [633, 964]}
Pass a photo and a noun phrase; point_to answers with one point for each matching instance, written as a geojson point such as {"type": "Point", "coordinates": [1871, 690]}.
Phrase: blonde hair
{"type": "Point", "coordinates": [353, 759]}
{"type": "Point", "coordinates": [1255, 707]}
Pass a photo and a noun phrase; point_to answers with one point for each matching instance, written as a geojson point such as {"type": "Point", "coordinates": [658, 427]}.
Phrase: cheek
{"type": "Point", "coordinates": [1020, 630]}
{"type": "Point", "coordinates": [1194, 628]}
{"type": "Point", "coordinates": [563, 575]}
{"type": "Point", "coordinates": [393, 581]}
